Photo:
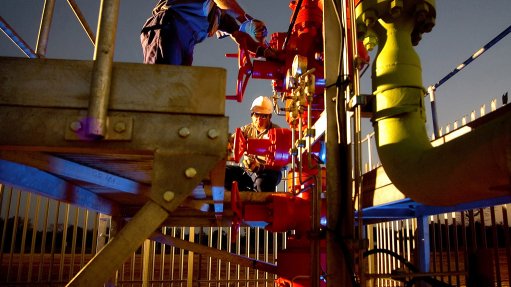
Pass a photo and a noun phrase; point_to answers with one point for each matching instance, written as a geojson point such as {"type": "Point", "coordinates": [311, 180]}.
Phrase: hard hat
{"type": "Point", "coordinates": [262, 105]}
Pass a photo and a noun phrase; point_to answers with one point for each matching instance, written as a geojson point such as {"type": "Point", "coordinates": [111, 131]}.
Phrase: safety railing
{"type": "Point", "coordinates": [466, 247]}
{"type": "Point", "coordinates": [369, 155]}
{"type": "Point", "coordinates": [44, 30]}
{"type": "Point", "coordinates": [43, 240]}
{"type": "Point", "coordinates": [475, 242]}
{"type": "Point", "coordinates": [455, 128]}
{"type": "Point", "coordinates": [46, 242]}
{"type": "Point", "coordinates": [432, 88]}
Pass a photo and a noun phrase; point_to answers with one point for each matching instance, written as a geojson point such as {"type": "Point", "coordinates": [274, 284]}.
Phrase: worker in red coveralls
{"type": "Point", "coordinates": [176, 26]}
{"type": "Point", "coordinates": [266, 179]}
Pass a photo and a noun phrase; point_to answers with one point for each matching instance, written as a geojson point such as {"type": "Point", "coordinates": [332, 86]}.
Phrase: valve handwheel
{"type": "Point", "coordinates": [245, 71]}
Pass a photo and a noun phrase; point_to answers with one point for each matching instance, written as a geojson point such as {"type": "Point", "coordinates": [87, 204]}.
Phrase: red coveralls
{"type": "Point", "coordinates": [265, 179]}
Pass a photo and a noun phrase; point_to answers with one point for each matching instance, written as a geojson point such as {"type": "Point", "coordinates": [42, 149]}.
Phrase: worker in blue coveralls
{"type": "Point", "coordinates": [176, 26]}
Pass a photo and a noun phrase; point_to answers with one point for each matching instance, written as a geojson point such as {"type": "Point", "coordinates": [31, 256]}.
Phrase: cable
{"type": "Point", "coordinates": [430, 280]}
{"type": "Point", "coordinates": [291, 25]}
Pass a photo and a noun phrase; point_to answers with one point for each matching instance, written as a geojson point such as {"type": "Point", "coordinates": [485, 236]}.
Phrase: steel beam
{"type": "Point", "coordinates": [130, 237]}
{"type": "Point", "coordinates": [161, 131]}
{"type": "Point", "coordinates": [135, 87]}
{"type": "Point", "coordinates": [215, 253]}
{"type": "Point", "coordinates": [34, 180]}
{"type": "Point", "coordinates": [75, 171]}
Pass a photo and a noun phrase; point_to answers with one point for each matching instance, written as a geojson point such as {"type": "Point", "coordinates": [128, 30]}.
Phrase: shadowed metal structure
{"type": "Point", "coordinates": [146, 145]}
{"type": "Point", "coordinates": [134, 165]}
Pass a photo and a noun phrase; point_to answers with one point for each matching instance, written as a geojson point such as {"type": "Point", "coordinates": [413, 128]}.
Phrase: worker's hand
{"type": "Point", "coordinates": [255, 28]}
{"type": "Point", "coordinates": [270, 54]}
{"type": "Point", "coordinates": [251, 164]}
{"type": "Point", "coordinates": [230, 152]}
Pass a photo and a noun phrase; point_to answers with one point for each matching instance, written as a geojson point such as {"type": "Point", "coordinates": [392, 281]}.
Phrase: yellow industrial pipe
{"type": "Point", "coordinates": [473, 167]}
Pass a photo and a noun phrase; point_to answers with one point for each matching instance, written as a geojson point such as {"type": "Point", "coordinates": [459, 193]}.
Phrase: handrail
{"type": "Point", "coordinates": [432, 88]}
{"type": "Point", "coordinates": [102, 69]}
{"type": "Point", "coordinates": [474, 56]}
{"type": "Point", "coordinates": [16, 39]}
{"type": "Point", "coordinates": [82, 20]}
{"type": "Point", "coordinates": [44, 30]}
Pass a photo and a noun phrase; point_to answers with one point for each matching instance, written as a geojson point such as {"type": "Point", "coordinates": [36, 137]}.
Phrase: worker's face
{"type": "Point", "coordinates": [261, 120]}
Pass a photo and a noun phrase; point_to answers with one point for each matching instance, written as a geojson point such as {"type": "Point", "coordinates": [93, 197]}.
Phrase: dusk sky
{"type": "Point", "coordinates": [462, 27]}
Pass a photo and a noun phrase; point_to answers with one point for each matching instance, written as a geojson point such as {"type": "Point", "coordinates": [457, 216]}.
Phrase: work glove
{"type": "Point", "coordinates": [255, 28]}
{"type": "Point", "coordinates": [251, 164]}
{"type": "Point", "coordinates": [269, 53]}
{"type": "Point", "coordinates": [230, 152]}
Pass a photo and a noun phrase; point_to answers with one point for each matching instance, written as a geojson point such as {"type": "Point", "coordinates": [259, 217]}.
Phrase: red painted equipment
{"type": "Point", "coordinates": [299, 183]}
{"type": "Point", "coordinates": [294, 263]}
{"type": "Point", "coordinates": [275, 148]}
{"type": "Point", "coordinates": [244, 72]}
{"type": "Point", "coordinates": [298, 79]}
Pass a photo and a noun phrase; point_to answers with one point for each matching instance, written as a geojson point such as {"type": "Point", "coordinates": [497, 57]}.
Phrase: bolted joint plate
{"type": "Point", "coordinates": [172, 183]}
{"type": "Point", "coordinates": [369, 11]}
{"type": "Point", "coordinates": [180, 170]}
{"type": "Point", "coordinates": [118, 128]}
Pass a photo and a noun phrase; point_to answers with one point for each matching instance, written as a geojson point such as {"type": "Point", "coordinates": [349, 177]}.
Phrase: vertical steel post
{"type": "Point", "coordinates": [191, 238]}
{"type": "Point", "coordinates": [34, 234]}
{"type": "Point", "coordinates": [434, 117]}
{"type": "Point", "coordinates": [338, 191]}
{"type": "Point", "coordinates": [102, 69]}
{"type": "Point", "coordinates": [423, 244]}
{"type": "Point", "coordinates": [357, 140]}
{"type": "Point", "coordinates": [74, 240]}
{"type": "Point", "coordinates": [65, 224]}
{"type": "Point", "coordinates": [315, 224]}
{"type": "Point", "coordinates": [24, 235]}
{"type": "Point", "coordinates": [43, 240]}
{"type": "Point", "coordinates": [146, 262]}
{"type": "Point", "coordinates": [315, 206]}
{"type": "Point", "coordinates": [44, 28]}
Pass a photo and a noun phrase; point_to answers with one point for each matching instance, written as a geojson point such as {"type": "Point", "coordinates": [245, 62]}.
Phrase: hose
{"type": "Point", "coordinates": [430, 280]}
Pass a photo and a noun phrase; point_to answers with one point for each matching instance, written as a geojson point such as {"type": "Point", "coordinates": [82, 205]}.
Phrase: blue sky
{"type": "Point", "coordinates": [462, 27]}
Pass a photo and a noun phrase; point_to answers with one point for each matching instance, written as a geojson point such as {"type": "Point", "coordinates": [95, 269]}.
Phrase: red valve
{"type": "Point", "coordinates": [275, 148]}
{"type": "Point", "coordinates": [279, 150]}
{"type": "Point", "coordinates": [245, 71]}
{"type": "Point", "coordinates": [240, 144]}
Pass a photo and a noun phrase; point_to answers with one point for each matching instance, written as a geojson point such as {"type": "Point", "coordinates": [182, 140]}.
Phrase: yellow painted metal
{"type": "Point", "coordinates": [470, 168]}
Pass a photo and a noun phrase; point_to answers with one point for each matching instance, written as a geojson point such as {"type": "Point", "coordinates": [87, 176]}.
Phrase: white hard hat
{"type": "Point", "coordinates": [262, 105]}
